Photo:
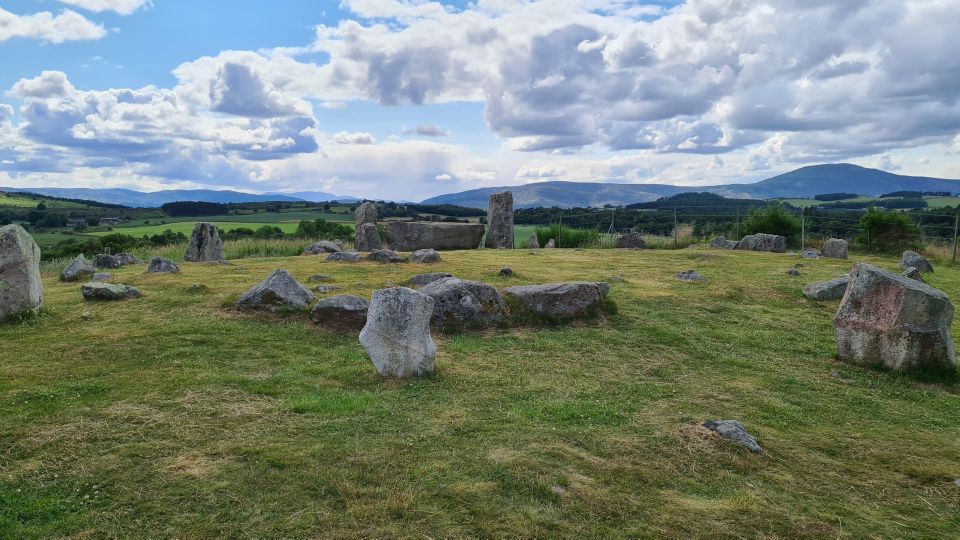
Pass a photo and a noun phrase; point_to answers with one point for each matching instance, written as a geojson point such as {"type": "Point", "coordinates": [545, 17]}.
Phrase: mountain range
{"type": "Point", "coordinates": [803, 183]}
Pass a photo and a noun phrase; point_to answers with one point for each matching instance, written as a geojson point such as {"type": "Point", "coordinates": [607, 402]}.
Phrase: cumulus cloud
{"type": "Point", "coordinates": [362, 137]}
{"type": "Point", "coordinates": [49, 28]}
{"type": "Point", "coordinates": [122, 7]}
{"type": "Point", "coordinates": [430, 131]}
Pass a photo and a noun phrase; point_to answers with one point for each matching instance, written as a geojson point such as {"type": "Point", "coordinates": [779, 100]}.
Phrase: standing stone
{"type": "Point", "coordinates": [205, 244]}
{"type": "Point", "coordinates": [551, 244]}
{"type": "Point", "coordinates": [278, 292]}
{"type": "Point", "coordinates": [835, 248]}
{"type": "Point", "coordinates": [533, 242]}
{"type": "Point", "coordinates": [162, 265]}
{"type": "Point", "coordinates": [891, 321]}
{"type": "Point", "coordinates": [916, 260]}
{"type": "Point", "coordinates": [397, 333]}
{"type": "Point", "coordinates": [631, 240]}
{"type": "Point", "coordinates": [500, 221]}
{"type": "Point", "coordinates": [20, 288]}
{"type": "Point", "coordinates": [366, 237]}
{"type": "Point", "coordinates": [77, 269]}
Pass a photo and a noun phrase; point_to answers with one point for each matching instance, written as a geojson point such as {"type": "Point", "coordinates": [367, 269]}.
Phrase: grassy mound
{"type": "Point", "coordinates": [176, 415]}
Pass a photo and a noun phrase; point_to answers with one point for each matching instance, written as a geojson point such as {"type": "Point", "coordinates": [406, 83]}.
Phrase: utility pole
{"type": "Point", "coordinates": [803, 231]}
{"type": "Point", "coordinates": [737, 226]}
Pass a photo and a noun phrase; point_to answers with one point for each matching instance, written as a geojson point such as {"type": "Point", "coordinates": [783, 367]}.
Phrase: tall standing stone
{"type": "Point", "coordinates": [891, 321]}
{"type": "Point", "coordinates": [205, 244]}
{"type": "Point", "coordinates": [397, 333]}
{"type": "Point", "coordinates": [366, 237]}
{"type": "Point", "coordinates": [500, 221]}
{"type": "Point", "coordinates": [20, 288]}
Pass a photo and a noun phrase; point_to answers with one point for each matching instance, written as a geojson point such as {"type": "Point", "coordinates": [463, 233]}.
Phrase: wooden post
{"type": "Point", "coordinates": [675, 245]}
{"type": "Point", "coordinates": [956, 225]}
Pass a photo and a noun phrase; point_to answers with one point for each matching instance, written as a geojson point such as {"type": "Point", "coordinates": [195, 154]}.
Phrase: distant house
{"type": "Point", "coordinates": [108, 221]}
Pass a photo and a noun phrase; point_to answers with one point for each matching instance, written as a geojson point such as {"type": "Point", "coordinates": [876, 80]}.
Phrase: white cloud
{"type": "Point", "coordinates": [122, 7]}
{"type": "Point", "coordinates": [47, 27]}
{"type": "Point", "coordinates": [361, 137]}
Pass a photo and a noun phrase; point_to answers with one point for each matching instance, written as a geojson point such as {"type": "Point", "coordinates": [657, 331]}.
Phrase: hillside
{"type": "Point", "coordinates": [140, 199]}
{"type": "Point", "coordinates": [803, 182]}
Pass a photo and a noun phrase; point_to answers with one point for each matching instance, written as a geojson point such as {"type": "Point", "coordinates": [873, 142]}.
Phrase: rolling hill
{"type": "Point", "coordinates": [129, 197]}
{"type": "Point", "coordinates": [804, 182]}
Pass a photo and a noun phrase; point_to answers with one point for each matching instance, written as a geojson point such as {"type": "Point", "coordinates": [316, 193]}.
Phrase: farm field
{"type": "Point", "coordinates": [177, 415]}
{"type": "Point", "coordinates": [28, 202]}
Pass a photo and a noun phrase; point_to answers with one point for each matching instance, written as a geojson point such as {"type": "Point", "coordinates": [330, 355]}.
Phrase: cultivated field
{"type": "Point", "coordinates": [173, 415]}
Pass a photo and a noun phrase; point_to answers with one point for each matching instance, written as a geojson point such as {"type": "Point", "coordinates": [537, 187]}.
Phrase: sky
{"type": "Point", "coordinates": [407, 99]}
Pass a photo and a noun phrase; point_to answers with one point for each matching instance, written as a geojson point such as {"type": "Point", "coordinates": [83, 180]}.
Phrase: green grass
{"type": "Point", "coordinates": [27, 202]}
{"type": "Point", "coordinates": [186, 227]}
{"type": "Point", "coordinates": [941, 202]}
{"type": "Point", "coordinates": [172, 415]}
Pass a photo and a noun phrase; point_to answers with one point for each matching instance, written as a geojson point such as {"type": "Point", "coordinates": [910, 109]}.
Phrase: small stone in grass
{"type": "Point", "coordinates": [506, 271]}
{"type": "Point", "coordinates": [734, 431]}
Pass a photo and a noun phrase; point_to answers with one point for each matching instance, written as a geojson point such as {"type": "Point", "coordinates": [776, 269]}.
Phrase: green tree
{"type": "Point", "coordinates": [771, 220]}
{"type": "Point", "coordinates": [888, 231]}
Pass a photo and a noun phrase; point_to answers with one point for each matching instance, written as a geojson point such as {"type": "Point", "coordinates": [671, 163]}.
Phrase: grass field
{"type": "Point", "coordinates": [173, 415]}
{"type": "Point", "coordinates": [186, 227]}
{"type": "Point", "coordinates": [932, 202]}
{"type": "Point", "coordinates": [27, 202]}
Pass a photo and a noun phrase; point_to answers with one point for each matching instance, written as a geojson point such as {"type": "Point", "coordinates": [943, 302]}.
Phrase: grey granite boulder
{"type": "Point", "coordinates": [733, 430]}
{"type": "Point", "coordinates": [161, 265]}
{"type": "Point", "coordinates": [835, 248]}
{"type": "Point", "coordinates": [98, 290]}
{"type": "Point", "coordinates": [894, 322]}
{"type": "Point", "coordinates": [345, 256]}
{"type": "Point", "coordinates": [506, 271]}
{"type": "Point", "coordinates": [721, 242]}
{"type": "Point", "coordinates": [772, 243]}
{"type": "Point", "coordinates": [341, 312]}
{"type": "Point", "coordinates": [414, 235]}
{"type": "Point", "coordinates": [560, 300]}
{"type": "Point", "coordinates": [459, 303]}
{"type": "Point", "coordinates": [810, 253]}
{"type": "Point", "coordinates": [420, 280]}
{"type": "Point", "coordinates": [826, 290]}
{"type": "Point", "coordinates": [913, 273]}
{"type": "Point", "coordinates": [916, 260]}
{"type": "Point", "coordinates": [105, 260]}
{"type": "Point", "coordinates": [77, 269]}
{"type": "Point", "coordinates": [533, 242]}
{"type": "Point", "coordinates": [322, 247]}
{"type": "Point", "coordinates": [551, 244]}
{"type": "Point", "coordinates": [127, 258]}
{"type": "Point", "coordinates": [500, 221]}
{"type": "Point", "coordinates": [205, 244]}
{"type": "Point", "coordinates": [384, 256]}
{"type": "Point", "coordinates": [396, 335]}
{"type": "Point", "coordinates": [631, 240]}
{"type": "Point", "coordinates": [21, 290]}
{"type": "Point", "coordinates": [425, 256]}
{"type": "Point", "coordinates": [690, 275]}
{"type": "Point", "coordinates": [102, 276]}
{"type": "Point", "coordinates": [319, 278]}
{"type": "Point", "coordinates": [793, 272]}
{"type": "Point", "coordinates": [279, 292]}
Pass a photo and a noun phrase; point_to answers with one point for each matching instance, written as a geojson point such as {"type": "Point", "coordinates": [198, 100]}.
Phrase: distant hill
{"type": "Point", "coordinates": [129, 197]}
{"type": "Point", "coordinates": [804, 182]}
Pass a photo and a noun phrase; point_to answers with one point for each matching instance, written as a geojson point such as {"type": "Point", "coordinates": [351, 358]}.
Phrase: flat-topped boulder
{"type": "Point", "coordinates": [631, 240]}
{"type": "Point", "coordinates": [810, 253]}
{"type": "Point", "coordinates": [99, 290]}
{"type": "Point", "coordinates": [79, 268]}
{"type": "Point", "coordinates": [835, 248]}
{"type": "Point", "coordinates": [396, 335]}
{"type": "Point", "coordinates": [773, 243]}
{"type": "Point", "coordinates": [560, 300]}
{"type": "Point", "coordinates": [894, 322]}
{"type": "Point", "coordinates": [21, 290]}
{"type": "Point", "coordinates": [340, 312]}
{"type": "Point", "coordinates": [205, 244]}
{"type": "Point", "coordinates": [345, 256]}
{"type": "Point", "coordinates": [420, 280]}
{"type": "Point", "coordinates": [500, 221]}
{"type": "Point", "coordinates": [425, 256]}
{"type": "Point", "coordinates": [912, 259]}
{"type": "Point", "coordinates": [127, 258]}
{"type": "Point", "coordinates": [322, 247]}
{"type": "Point", "coordinates": [105, 260]}
{"type": "Point", "coordinates": [162, 265]}
{"type": "Point", "coordinates": [721, 242]}
{"type": "Point", "coordinates": [414, 235]}
{"type": "Point", "coordinates": [460, 303]}
{"type": "Point", "coordinates": [384, 256]}
{"type": "Point", "coordinates": [826, 290]}
{"type": "Point", "coordinates": [279, 292]}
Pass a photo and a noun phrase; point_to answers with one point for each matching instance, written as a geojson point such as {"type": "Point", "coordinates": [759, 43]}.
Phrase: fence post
{"type": "Point", "coordinates": [956, 225]}
{"type": "Point", "coordinates": [675, 245]}
{"type": "Point", "coordinates": [869, 248]}
{"type": "Point", "coordinates": [803, 231]}
{"type": "Point", "coordinates": [737, 227]}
